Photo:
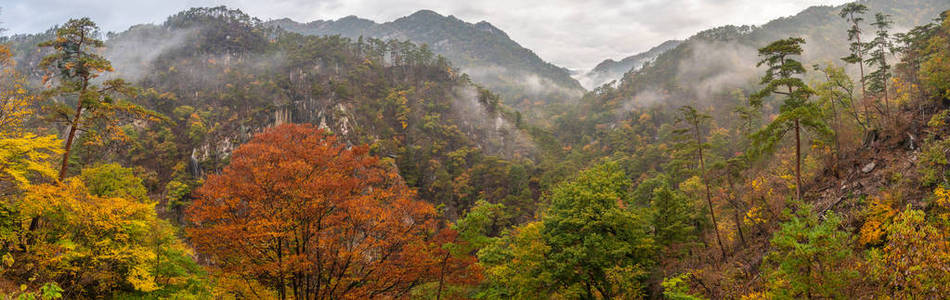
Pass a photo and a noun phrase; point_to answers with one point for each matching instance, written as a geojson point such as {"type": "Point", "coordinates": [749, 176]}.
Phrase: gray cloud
{"type": "Point", "coordinates": [570, 33]}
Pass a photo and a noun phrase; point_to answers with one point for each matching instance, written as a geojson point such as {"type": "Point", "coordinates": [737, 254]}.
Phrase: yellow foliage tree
{"type": "Point", "coordinates": [879, 214]}
{"type": "Point", "coordinates": [15, 100]}
{"type": "Point", "coordinates": [913, 262]}
{"type": "Point", "coordinates": [96, 246]}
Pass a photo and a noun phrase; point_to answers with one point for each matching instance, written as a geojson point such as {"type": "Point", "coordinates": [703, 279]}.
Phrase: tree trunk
{"type": "Point", "coordinates": [712, 212]}
{"type": "Point", "coordinates": [864, 91]}
{"type": "Point", "coordinates": [739, 226]}
{"type": "Point", "coordinates": [834, 166]}
{"type": "Point", "coordinates": [438, 295]}
{"type": "Point", "coordinates": [281, 291]}
{"type": "Point", "coordinates": [73, 124]}
{"type": "Point", "coordinates": [798, 161]}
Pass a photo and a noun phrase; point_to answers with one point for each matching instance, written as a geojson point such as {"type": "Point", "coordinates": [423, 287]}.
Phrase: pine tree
{"type": "Point", "coordinates": [673, 215]}
{"type": "Point", "coordinates": [796, 111]}
{"type": "Point", "coordinates": [878, 50]}
{"type": "Point", "coordinates": [75, 65]}
{"type": "Point", "coordinates": [695, 122]}
{"type": "Point", "coordinates": [853, 12]}
{"type": "Point", "coordinates": [810, 258]}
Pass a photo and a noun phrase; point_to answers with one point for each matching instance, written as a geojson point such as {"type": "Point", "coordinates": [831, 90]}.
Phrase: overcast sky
{"type": "Point", "coordinates": [575, 34]}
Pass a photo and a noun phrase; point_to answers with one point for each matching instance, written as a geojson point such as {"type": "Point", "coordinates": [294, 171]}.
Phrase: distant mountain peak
{"type": "Point", "coordinates": [354, 20]}
{"type": "Point", "coordinates": [425, 13]}
{"type": "Point", "coordinates": [351, 18]}
{"type": "Point", "coordinates": [609, 69]}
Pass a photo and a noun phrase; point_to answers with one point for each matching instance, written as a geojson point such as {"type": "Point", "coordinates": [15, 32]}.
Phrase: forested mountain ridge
{"type": "Point", "coordinates": [716, 68]}
{"type": "Point", "coordinates": [224, 76]}
{"type": "Point", "coordinates": [217, 156]}
{"type": "Point", "coordinates": [704, 59]}
{"type": "Point", "coordinates": [713, 120]}
{"type": "Point", "coordinates": [480, 50]}
{"type": "Point", "coordinates": [609, 69]}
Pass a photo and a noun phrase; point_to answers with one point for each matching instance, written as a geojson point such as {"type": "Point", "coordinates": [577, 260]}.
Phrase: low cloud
{"type": "Point", "coordinates": [715, 67]}
{"type": "Point", "coordinates": [532, 84]}
{"type": "Point", "coordinates": [477, 122]}
{"type": "Point", "coordinates": [133, 52]}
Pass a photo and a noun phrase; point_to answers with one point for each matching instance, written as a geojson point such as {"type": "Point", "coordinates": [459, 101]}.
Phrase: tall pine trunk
{"type": "Point", "coordinates": [798, 161]}
{"type": "Point", "coordinates": [864, 91]}
{"type": "Point", "coordinates": [712, 212]}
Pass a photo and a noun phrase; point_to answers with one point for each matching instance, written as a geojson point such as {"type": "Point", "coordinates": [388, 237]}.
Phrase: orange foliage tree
{"type": "Point", "coordinates": [312, 218]}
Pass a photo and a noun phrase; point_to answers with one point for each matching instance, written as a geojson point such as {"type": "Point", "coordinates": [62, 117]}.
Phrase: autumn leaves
{"type": "Point", "coordinates": [312, 218]}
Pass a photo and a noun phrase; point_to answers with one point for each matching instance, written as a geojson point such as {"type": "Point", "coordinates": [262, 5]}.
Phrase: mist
{"type": "Point", "coordinates": [483, 125]}
{"type": "Point", "coordinates": [715, 67]}
{"type": "Point", "coordinates": [132, 52]}
{"type": "Point", "coordinates": [531, 84]}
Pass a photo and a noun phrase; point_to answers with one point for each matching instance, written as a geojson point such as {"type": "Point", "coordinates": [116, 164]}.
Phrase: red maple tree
{"type": "Point", "coordinates": [299, 212]}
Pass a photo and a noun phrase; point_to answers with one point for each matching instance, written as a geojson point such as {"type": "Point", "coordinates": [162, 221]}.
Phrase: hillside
{"type": "Point", "coordinates": [218, 156]}
{"type": "Point", "coordinates": [610, 70]}
{"type": "Point", "coordinates": [480, 50]}
{"type": "Point", "coordinates": [221, 81]}
{"type": "Point", "coordinates": [717, 60]}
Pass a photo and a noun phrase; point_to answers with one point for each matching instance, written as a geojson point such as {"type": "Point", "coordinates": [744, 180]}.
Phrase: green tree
{"type": "Point", "coordinates": [598, 248]}
{"type": "Point", "coordinates": [853, 13]}
{"type": "Point", "coordinates": [112, 180]}
{"type": "Point", "coordinates": [912, 47]}
{"type": "Point", "coordinates": [836, 95]}
{"type": "Point", "coordinates": [514, 265]}
{"type": "Point", "coordinates": [672, 214]}
{"type": "Point", "coordinates": [75, 64]}
{"type": "Point", "coordinates": [476, 226]}
{"type": "Point", "coordinates": [935, 69]}
{"type": "Point", "coordinates": [695, 122]}
{"type": "Point", "coordinates": [878, 49]}
{"type": "Point", "coordinates": [795, 112]}
{"type": "Point", "coordinates": [810, 258]}
{"type": "Point", "coordinates": [676, 288]}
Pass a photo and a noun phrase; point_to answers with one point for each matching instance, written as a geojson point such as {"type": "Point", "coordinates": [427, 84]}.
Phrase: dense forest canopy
{"type": "Point", "coordinates": [216, 155]}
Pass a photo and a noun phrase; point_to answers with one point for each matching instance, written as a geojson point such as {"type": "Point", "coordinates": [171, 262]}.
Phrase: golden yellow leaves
{"type": "Point", "coordinates": [942, 196]}
{"type": "Point", "coordinates": [942, 204]}
{"type": "Point", "coordinates": [754, 216]}
{"type": "Point", "coordinates": [757, 296]}
{"type": "Point", "coordinates": [28, 155]}
{"type": "Point", "coordinates": [107, 238]}
{"type": "Point", "coordinates": [905, 90]}
{"type": "Point", "coordinates": [912, 262]}
{"type": "Point", "coordinates": [15, 100]}
{"type": "Point", "coordinates": [880, 213]}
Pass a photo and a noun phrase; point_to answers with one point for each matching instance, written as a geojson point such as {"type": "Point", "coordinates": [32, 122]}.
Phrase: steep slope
{"type": "Point", "coordinates": [718, 60]}
{"type": "Point", "coordinates": [640, 122]}
{"type": "Point", "coordinates": [481, 50]}
{"type": "Point", "coordinates": [221, 76]}
{"type": "Point", "coordinates": [713, 71]}
{"type": "Point", "coordinates": [609, 69]}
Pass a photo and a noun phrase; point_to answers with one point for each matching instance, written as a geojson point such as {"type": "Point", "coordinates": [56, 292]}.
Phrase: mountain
{"type": "Point", "coordinates": [221, 76]}
{"type": "Point", "coordinates": [480, 50]}
{"type": "Point", "coordinates": [719, 60]}
{"type": "Point", "coordinates": [715, 70]}
{"type": "Point", "coordinates": [625, 193]}
{"type": "Point", "coordinates": [609, 69]}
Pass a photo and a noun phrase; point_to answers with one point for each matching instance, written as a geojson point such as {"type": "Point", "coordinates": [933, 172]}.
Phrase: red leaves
{"type": "Point", "coordinates": [309, 216]}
